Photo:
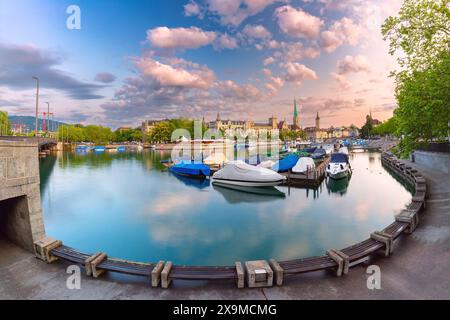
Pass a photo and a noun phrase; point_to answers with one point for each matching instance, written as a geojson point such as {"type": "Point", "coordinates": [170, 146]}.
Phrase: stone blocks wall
{"type": "Point", "coordinates": [21, 218]}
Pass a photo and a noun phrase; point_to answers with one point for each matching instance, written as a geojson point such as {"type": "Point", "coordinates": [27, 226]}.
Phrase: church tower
{"type": "Point", "coordinates": [296, 120]}
{"type": "Point", "coordinates": [317, 121]}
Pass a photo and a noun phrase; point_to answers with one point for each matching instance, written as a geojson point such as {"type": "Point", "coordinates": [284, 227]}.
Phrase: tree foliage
{"type": "Point", "coordinates": [387, 128]}
{"type": "Point", "coordinates": [420, 37]}
{"type": "Point", "coordinates": [5, 125]}
{"type": "Point", "coordinates": [91, 133]}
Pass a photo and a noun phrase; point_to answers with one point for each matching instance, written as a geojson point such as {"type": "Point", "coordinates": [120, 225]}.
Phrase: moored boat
{"type": "Point", "coordinates": [339, 166]}
{"type": "Point", "coordinates": [285, 164]}
{"type": "Point", "coordinates": [192, 170]}
{"type": "Point", "coordinates": [241, 174]}
{"type": "Point", "coordinates": [303, 165]}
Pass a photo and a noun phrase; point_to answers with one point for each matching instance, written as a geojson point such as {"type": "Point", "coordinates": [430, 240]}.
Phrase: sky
{"type": "Point", "coordinates": [246, 59]}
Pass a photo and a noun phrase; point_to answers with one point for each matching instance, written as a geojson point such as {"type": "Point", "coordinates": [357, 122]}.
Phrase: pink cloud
{"type": "Point", "coordinates": [256, 32]}
{"type": "Point", "coordinates": [176, 75]}
{"type": "Point", "coordinates": [225, 41]}
{"type": "Point", "coordinates": [342, 81]}
{"type": "Point", "coordinates": [268, 61]}
{"type": "Point", "coordinates": [296, 72]}
{"type": "Point", "coordinates": [343, 31]}
{"type": "Point", "coordinates": [234, 12]}
{"type": "Point", "coordinates": [298, 23]}
{"type": "Point", "coordinates": [192, 9]}
{"type": "Point", "coordinates": [180, 38]}
{"type": "Point", "coordinates": [353, 64]}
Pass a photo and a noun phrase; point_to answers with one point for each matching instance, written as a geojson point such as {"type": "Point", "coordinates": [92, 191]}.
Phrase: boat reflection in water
{"type": "Point", "coordinates": [338, 186]}
{"type": "Point", "coordinates": [196, 183]}
{"type": "Point", "coordinates": [241, 194]}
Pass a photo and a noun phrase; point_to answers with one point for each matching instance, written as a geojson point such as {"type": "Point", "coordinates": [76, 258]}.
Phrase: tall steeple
{"type": "Point", "coordinates": [317, 121]}
{"type": "Point", "coordinates": [296, 120]}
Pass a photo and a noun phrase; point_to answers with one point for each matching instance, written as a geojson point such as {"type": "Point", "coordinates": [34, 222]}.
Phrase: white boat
{"type": "Point", "coordinates": [339, 166]}
{"type": "Point", "coordinates": [304, 164]}
{"type": "Point", "coordinates": [239, 173]}
{"type": "Point", "coordinates": [266, 164]}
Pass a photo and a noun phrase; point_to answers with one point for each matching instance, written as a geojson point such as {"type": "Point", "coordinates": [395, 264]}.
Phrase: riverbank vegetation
{"type": "Point", "coordinates": [420, 38]}
{"type": "Point", "coordinates": [5, 125]}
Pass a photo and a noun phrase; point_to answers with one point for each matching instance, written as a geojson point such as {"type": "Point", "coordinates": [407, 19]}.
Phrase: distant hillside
{"type": "Point", "coordinates": [29, 122]}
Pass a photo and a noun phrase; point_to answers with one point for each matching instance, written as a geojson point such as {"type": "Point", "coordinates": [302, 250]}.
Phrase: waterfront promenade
{"type": "Point", "coordinates": [418, 269]}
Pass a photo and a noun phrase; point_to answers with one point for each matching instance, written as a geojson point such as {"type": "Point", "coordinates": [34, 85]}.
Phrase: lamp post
{"type": "Point", "coordinates": [48, 117]}
{"type": "Point", "coordinates": [37, 106]}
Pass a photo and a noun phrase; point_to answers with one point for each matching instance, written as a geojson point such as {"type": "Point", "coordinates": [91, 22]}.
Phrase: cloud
{"type": "Point", "coordinates": [296, 72]}
{"type": "Point", "coordinates": [192, 9]}
{"type": "Point", "coordinates": [350, 64]}
{"type": "Point", "coordinates": [225, 41]}
{"type": "Point", "coordinates": [174, 86]}
{"type": "Point", "coordinates": [268, 61]}
{"type": "Point", "coordinates": [18, 63]}
{"type": "Point", "coordinates": [256, 32]}
{"type": "Point", "coordinates": [105, 77]}
{"type": "Point", "coordinates": [234, 12]}
{"type": "Point", "coordinates": [343, 31]}
{"type": "Point", "coordinates": [180, 38]}
{"type": "Point", "coordinates": [342, 81]}
{"type": "Point", "coordinates": [298, 23]}
{"type": "Point", "coordinates": [295, 51]}
{"type": "Point", "coordinates": [176, 75]}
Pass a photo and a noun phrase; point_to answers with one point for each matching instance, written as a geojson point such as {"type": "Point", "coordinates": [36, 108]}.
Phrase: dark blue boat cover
{"type": "Point", "coordinates": [286, 163]}
{"type": "Point", "coordinates": [191, 169]}
{"type": "Point", "coordinates": [339, 158]}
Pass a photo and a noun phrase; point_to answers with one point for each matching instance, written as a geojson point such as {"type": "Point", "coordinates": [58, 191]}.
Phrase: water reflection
{"type": "Point", "coordinates": [338, 186]}
{"type": "Point", "coordinates": [241, 194]}
{"type": "Point", "coordinates": [196, 183]}
{"type": "Point", "coordinates": [130, 206]}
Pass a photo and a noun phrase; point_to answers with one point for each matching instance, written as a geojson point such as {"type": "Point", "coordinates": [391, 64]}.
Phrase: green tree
{"type": "Point", "coordinates": [419, 35]}
{"type": "Point", "coordinates": [366, 129]}
{"type": "Point", "coordinates": [162, 132]}
{"type": "Point", "coordinates": [5, 125]}
{"type": "Point", "coordinates": [424, 105]}
{"type": "Point", "coordinates": [387, 128]}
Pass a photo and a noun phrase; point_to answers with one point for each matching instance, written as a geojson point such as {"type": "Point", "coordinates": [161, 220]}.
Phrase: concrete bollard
{"type": "Point", "coordinates": [277, 270]}
{"type": "Point", "coordinates": [240, 275]}
{"type": "Point", "coordinates": [346, 260]}
{"type": "Point", "coordinates": [87, 263]}
{"type": "Point", "coordinates": [94, 263]}
{"type": "Point", "coordinates": [410, 217]}
{"type": "Point", "coordinates": [156, 273]}
{"type": "Point", "coordinates": [43, 247]}
{"type": "Point", "coordinates": [165, 273]}
{"type": "Point", "coordinates": [339, 260]}
{"type": "Point", "coordinates": [384, 238]}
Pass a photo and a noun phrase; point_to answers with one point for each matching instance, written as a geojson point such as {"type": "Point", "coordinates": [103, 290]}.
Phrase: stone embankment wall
{"type": "Point", "coordinates": [21, 217]}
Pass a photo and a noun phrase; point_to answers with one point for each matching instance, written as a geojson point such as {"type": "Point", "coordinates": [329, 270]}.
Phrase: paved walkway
{"type": "Point", "coordinates": [418, 269]}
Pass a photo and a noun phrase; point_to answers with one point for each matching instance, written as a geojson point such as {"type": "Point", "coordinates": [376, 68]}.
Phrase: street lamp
{"type": "Point", "coordinates": [37, 106]}
{"type": "Point", "coordinates": [48, 117]}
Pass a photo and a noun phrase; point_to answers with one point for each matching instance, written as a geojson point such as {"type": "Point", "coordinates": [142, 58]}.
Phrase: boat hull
{"type": "Point", "coordinates": [226, 182]}
{"type": "Point", "coordinates": [339, 175]}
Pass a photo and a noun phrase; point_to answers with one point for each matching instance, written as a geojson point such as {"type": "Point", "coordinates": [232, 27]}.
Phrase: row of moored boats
{"type": "Point", "coordinates": [266, 173]}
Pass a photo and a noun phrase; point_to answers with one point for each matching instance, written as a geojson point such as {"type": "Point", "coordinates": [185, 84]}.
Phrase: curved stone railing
{"type": "Point", "coordinates": [257, 273]}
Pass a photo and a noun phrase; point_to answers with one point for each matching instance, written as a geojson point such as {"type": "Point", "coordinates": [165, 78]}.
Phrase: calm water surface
{"type": "Point", "coordinates": [129, 206]}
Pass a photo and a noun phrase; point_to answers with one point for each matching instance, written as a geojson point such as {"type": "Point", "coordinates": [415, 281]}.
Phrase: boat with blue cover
{"type": "Point", "coordinates": [99, 149]}
{"type": "Point", "coordinates": [286, 164]}
{"type": "Point", "coordinates": [121, 149]}
{"type": "Point", "coordinates": [192, 170]}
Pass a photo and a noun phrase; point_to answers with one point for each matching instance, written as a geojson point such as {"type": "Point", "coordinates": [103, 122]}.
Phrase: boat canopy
{"type": "Point", "coordinates": [285, 164]}
{"type": "Point", "coordinates": [303, 165]}
{"type": "Point", "coordinates": [240, 171]}
{"type": "Point", "coordinates": [339, 158]}
{"type": "Point", "coordinates": [191, 169]}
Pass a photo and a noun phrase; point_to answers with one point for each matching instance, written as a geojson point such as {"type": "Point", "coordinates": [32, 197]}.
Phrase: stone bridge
{"type": "Point", "coordinates": [42, 143]}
